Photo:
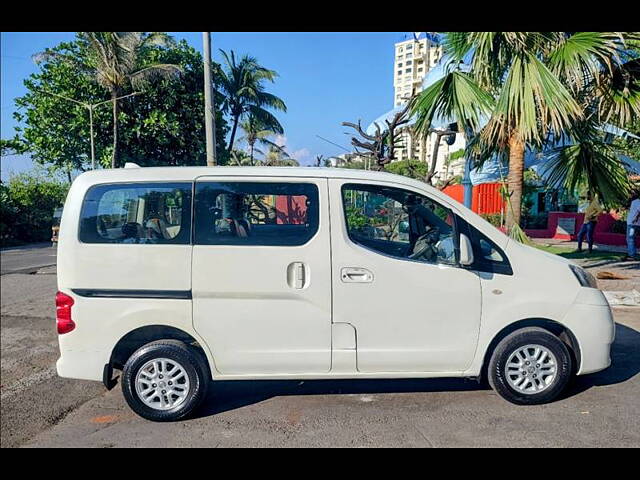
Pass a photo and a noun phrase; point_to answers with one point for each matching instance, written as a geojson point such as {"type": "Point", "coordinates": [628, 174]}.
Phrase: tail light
{"type": "Point", "coordinates": [63, 313]}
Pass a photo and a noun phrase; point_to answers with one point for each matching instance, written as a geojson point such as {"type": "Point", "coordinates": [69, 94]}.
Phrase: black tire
{"type": "Point", "coordinates": [521, 338]}
{"type": "Point", "coordinates": [185, 355]}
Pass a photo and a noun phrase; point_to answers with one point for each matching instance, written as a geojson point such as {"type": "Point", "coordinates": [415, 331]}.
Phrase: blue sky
{"type": "Point", "coordinates": [325, 79]}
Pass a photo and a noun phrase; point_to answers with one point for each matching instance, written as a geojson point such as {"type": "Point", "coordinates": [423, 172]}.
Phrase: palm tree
{"type": "Point", "coordinates": [242, 82]}
{"type": "Point", "coordinates": [116, 59]}
{"type": "Point", "coordinates": [527, 89]}
{"type": "Point", "coordinates": [256, 132]}
{"type": "Point", "coordinates": [276, 156]}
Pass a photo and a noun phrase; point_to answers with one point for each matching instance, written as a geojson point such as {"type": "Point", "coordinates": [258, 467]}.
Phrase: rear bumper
{"type": "Point", "coordinates": [594, 330]}
{"type": "Point", "coordinates": [83, 365]}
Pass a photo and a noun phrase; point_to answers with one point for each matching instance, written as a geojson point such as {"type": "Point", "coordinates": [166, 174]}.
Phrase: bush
{"type": "Point", "coordinates": [492, 218]}
{"type": "Point", "coordinates": [27, 204]}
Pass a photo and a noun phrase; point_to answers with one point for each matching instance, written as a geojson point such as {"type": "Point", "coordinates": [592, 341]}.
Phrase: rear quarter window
{"type": "Point", "coordinates": [137, 213]}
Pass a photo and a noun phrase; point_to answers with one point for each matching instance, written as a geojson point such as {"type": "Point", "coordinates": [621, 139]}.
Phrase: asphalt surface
{"type": "Point", "coordinates": [40, 409]}
{"type": "Point", "coordinates": [27, 259]}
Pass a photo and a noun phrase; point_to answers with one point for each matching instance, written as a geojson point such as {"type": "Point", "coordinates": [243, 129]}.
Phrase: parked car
{"type": "Point", "coordinates": [163, 275]}
{"type": "Point", "coordinates": [55, 225]}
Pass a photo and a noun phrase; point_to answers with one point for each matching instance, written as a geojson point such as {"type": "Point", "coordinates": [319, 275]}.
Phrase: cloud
{"type": "Point", "coordinates": [301, 154]}
{"type": "Point", "coordinates": [280, 140]}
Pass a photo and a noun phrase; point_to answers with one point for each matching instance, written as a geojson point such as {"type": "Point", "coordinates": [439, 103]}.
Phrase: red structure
{"type": "Point", "coordinates": [486, 198]}
{"type": "Point", "coordinates": [602, 233]}
{"type": "Point", "coordinates": [291, 209]}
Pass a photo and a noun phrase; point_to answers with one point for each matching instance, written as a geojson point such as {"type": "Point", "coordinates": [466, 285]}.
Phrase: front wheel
{"type": "Point", "coordinates": [164, 381]}
{"type": "Point", "coordinates": [530, 366]}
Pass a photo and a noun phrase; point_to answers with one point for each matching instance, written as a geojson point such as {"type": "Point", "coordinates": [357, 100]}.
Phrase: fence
{"type": "Point", "coordinates": [486, 198]}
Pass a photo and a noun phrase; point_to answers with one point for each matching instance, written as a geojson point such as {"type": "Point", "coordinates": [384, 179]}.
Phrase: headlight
{"type": "Point", "coordinates": [584, 277]}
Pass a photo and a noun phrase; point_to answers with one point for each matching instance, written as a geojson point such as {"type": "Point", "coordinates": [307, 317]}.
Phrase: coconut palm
{"type": "Point", "coordinates": [255, 132]}
{"type": "Point", "coordinates": [242, 82]}
{"type": "Point", "coordinates": [276, 156]}
{"type": "Point", "coordinates": [117, 60]}
{"type": "Point", "coordinates": [511, 91]}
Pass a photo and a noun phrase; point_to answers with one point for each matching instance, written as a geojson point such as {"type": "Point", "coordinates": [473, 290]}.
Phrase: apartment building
{"type": "Point", "coordinates": [413, 60]}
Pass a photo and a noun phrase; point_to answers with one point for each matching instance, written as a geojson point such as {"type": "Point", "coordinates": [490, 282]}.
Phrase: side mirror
{"type": "Point", "coordinates": [466, 250]}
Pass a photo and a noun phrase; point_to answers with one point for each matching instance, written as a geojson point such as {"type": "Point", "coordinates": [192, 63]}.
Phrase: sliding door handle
{"type": "Point", "coordinates": [297, 275]}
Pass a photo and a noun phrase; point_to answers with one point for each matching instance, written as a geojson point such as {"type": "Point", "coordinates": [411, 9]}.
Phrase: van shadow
{"type": "Point", "coordinates": [233, 394]}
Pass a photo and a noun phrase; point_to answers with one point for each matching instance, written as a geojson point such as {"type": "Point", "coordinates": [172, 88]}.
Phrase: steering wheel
{"type": "Point", "coordinates": [425, 243]}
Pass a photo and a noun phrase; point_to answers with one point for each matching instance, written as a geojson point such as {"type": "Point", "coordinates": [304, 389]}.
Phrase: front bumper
{"type": "Point", "coordinates": [593, 327]}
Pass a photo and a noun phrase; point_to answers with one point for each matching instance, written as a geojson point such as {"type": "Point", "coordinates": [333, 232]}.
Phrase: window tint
{"type": "Point", "coordinates": [157, 213]}
{"type": "Point", "coordinates": [399, 223]}
{"type": "Point", "coordinates": [244, 213]}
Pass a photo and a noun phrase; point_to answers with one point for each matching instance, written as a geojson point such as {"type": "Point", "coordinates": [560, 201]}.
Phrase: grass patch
{"type": "Point", "coordinates": [574, 255]}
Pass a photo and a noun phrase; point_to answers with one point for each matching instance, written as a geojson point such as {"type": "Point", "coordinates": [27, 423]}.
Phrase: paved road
{"type": "Point", "coordinates": [27, 259]}
{"type": "Point", "coordinates": [40, 409]}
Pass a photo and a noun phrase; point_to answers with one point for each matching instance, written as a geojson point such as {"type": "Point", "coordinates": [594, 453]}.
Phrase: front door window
{"type": "Point", "coordinates": [400, 223]}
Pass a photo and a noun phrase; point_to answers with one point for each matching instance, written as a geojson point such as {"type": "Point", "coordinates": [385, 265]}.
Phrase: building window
{"type": "Point", "coordinates": [409, 47]}
{"type": "Point", "coordinates": [409, 56]}
{"type": "Point", "coordinates": [408, 70]}
{"type": "Point", "coordinates": [248, 213]}
{"type": "Point", "coordinates": [399, 72]}
{"type": "Point", "coordinates": [409, 62]}
{"type": "Point", "coordinates": [400, 64]}
{"type": "Point", "coordinates": [137, 213]}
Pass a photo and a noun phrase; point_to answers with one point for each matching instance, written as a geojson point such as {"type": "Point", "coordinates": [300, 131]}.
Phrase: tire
{"type": "Point", "coordinates": [517, 384]}
{"type": "Point", "coordinates": [143, 374]}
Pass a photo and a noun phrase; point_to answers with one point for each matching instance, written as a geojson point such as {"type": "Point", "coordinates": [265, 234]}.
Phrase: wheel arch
{"type": "Point", "coordinates": [140, 336]}
{"type": "Point", "coordinates": [559, 330]}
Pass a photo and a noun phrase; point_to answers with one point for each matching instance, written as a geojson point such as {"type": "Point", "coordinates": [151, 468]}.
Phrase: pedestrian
{"type": "Point", "coordinates": [633, 225]}
{"type": "Point", "coordinates": [589, 223]}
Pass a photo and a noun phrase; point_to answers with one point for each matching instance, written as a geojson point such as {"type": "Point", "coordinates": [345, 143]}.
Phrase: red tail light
{"type": "Point", "coordinates": [63, 313]}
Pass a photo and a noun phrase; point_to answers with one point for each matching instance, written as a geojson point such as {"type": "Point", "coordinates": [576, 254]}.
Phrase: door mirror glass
{"type": "Point", "coordinates": [466, 250]}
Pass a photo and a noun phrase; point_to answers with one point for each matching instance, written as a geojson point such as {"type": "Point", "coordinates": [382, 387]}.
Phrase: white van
{"type": "Point", "coordinates": [182, 275]}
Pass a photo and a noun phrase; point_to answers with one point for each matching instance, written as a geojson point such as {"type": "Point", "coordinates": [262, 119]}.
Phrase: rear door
{"type": "Point", "coordinates": [262, 274]}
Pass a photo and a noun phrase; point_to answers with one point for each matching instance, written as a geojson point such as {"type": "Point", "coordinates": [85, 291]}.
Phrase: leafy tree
{"type": "Point", "coordinates": [27, 204]}
{"type": "Point", "coordinates": [532, 88]}
{"type": "Point", "coordinates": [243, 83]}
{"type": "Point", "coordinates": [116, 60]}
{"type": "Point", "coordinates": [162, 126]}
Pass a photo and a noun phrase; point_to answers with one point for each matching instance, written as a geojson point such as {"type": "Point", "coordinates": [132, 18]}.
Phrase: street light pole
{"type": "Point", "coordinates": [209, 117]}
{"type": "Point", "coordinates": [90, 107]}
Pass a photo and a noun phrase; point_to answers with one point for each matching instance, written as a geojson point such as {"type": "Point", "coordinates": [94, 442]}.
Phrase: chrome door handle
{"type": "Point", "coordinates": [356, 275]}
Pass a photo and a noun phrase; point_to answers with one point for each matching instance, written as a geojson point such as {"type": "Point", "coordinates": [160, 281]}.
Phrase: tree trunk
{"type": "Point", "coordinates": [251, 152]}
{"type": "Point", "coordinates": [236, 119]}
{"type": "Point", "coordinates": [515, 180]}
{"type": "Point", "coordinates": [114, 158]}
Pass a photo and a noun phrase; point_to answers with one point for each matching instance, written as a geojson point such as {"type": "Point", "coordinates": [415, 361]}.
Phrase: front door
{"type": "Point", "coordinates": [261, 274]}
{"type": "Point", "coordinates": [397, 281]}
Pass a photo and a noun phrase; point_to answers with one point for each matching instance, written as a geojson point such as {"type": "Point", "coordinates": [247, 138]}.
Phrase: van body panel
{"type": "Point", "coordinates": [251, 315]}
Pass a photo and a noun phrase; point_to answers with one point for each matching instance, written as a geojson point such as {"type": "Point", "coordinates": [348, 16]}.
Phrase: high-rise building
{"type": "Point", "coordinates": [413, 59]}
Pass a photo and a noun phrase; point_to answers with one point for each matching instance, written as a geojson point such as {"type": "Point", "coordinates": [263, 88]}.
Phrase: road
{"type": "Point", "coordinates": [40, 409]}
{"type": "Point", "coordinates": [27, 259]}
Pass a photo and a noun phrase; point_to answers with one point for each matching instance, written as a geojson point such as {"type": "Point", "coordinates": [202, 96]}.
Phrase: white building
{"type": "Point", "coordinates": [413, 60]}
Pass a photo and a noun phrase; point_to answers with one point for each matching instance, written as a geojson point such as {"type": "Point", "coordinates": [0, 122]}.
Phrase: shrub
{"type": "Point", "coordinates": [28, 201]}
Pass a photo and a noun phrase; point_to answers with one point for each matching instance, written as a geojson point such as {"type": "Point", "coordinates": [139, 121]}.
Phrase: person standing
{"type": "Point", "coordinates": [633, 226]}
{"type": "Point", "coordinates": [589, 224]}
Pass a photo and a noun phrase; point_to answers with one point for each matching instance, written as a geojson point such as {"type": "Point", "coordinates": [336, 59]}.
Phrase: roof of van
{"type": "Point", "coordinates": [136, 174]}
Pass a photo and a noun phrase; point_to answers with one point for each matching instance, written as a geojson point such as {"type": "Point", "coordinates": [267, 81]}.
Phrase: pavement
{"type": "Point", "coordinates": [27, 259]}
{"type": "Point", "coordinates": [39, 409]}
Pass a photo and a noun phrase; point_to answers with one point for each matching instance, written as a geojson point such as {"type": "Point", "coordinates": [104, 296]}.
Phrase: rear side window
{"type": "Point", "coordinates": [251, 213]}
{"type": "Point", "coordinates": [137, 213]}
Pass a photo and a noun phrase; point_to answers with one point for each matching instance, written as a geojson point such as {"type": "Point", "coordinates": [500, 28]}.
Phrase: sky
{"type": "Point", "coordinates": [324, 79]}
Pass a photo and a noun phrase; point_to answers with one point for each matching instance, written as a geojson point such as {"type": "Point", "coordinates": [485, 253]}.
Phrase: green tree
{"type": "Point", "coordinates": [243, 84]}
{"type": "Point", "coordinates": [255, 131]}
{"type": "Point", "coordinates": [532, 88]}
{"type": "Point", "coordinates": [162, 126]}
{"type": "Point", "coordinates": [27, 204]}
{"type": "Point", "coordinates": [116, 61]}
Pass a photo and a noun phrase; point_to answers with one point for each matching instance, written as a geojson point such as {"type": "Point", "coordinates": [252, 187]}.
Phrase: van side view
{"type": "Point", "coordinates": [183, 276]}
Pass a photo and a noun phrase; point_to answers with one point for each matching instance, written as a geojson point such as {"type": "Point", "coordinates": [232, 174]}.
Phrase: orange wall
{"type": "Point", "coordinates": [486, 197]}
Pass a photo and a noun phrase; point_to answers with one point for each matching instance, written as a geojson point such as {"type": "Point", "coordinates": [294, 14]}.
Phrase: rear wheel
{"type": "Point", "coordinates": [164, 380]}
{"type": "Point", "coordinates": [530, 366]}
